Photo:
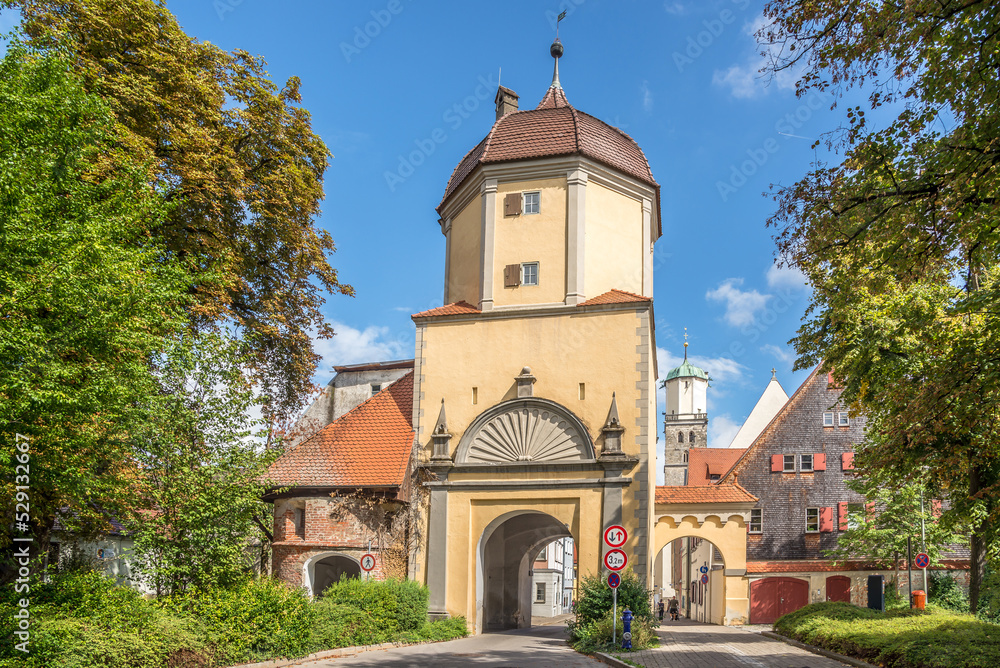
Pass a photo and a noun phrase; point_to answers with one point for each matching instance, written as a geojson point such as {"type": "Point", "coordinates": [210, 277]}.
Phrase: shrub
{"type": "Point", "coordinates": [440, 629]}
{"type": "Point", "coordinates": [339, 625]}
{"type": "Point", "coordinates": [596, 636]}
{"type": "Point", "coordinates": [596, 599]}
{"type": "Point", "coordinates": [947, 593]}
{"type": "Point", "coordinates": [394, 605]}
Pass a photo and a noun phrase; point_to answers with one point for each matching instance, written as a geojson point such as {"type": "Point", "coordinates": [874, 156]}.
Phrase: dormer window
{"type": "Point", "coordinates": [532, 202]}
{"type": "Point", "coordinates": [376, 388]}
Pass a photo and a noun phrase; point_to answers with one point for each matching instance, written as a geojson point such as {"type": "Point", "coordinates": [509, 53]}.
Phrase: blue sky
{"type": "Point", "coordinates": [679, 76]}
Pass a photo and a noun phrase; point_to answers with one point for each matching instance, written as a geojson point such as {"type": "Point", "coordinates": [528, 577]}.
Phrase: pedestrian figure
{"type": "Point", "coordinates": [660, 610]}
{"type": "Point", "coordinates": [674, 610]}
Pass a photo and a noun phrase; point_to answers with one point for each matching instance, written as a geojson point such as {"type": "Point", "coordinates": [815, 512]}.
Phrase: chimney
{"type": "Point", "coordinates": [506, 100]}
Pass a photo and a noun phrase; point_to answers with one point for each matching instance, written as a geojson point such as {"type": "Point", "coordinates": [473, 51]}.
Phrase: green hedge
{"type": "Point", "coordinates": [393, 605]}
{"type": "Point", "coordinates": [933, 638]}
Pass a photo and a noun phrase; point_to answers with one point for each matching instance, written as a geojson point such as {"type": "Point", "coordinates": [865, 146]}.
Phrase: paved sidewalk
{"type": "Point", "coordinates": [687, 644]}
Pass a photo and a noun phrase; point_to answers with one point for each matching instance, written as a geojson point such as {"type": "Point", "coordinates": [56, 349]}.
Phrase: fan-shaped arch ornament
{"type": "Point", "coordinates": [525, 430]}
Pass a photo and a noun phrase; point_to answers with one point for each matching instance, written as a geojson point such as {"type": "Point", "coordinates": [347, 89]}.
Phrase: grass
{"type": "Point", "coordinates": [932, 638]}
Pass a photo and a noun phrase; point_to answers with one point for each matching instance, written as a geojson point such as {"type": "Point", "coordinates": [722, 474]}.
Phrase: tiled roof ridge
{"type": "Point", "coordinates": [626, 136]}
{"type": "Point", "coordinates": [576, 128]}
{"type": "Point", "coordinates": [742, 488]}
{"type": "Point", "coordinates": [439, 310]}
{"type": "Point", "coordinates": [774, 421]}
{"type": "Point", "coordinates": [597, 300]}
{"type": "Point", "coordinates": [348, 417]}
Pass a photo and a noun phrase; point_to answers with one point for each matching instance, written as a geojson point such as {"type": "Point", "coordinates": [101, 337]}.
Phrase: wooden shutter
{"type": "Point", "coordinates": [777, 463]}
{"type": "Point", "coordinates": [842, 512]}
{"type": "Point", "coordinates": [826, 520]}
{"type": "Point", "coordinates": [512, 276]}
{"type": "Point", "coordinates": [819, 462]}
{"type": "Point", "coordinates": [512, 204]}
{"type": "Point", "coordinates": [870, 509]}
{"type": "Point", "coordinates": [847, 461]}
{"type": "Point", "coordinates": [936, 508]}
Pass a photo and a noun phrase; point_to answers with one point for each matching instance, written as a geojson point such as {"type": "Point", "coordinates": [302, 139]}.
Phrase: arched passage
{"type": "Point", "coordinates": [324, 569]}
{"type": "Point", "coordinates": [692, 570]}
{"type": "Point", "coordinates": [506, 549]}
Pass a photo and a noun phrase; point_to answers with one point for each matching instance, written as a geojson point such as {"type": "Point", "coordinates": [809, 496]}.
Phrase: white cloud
{"type": "Point", "coordinates": [741, 305]}
{"type": "Point", "coordinates": [783, 354]}
{"type": "Point", "coordinates": [721, 431]}
{"type": "Point", "coordinates": [745, 79]}
{"type": "Point", "coordinates": [647, 96]}
{"type": "Point", "coordinates": [674, 8]}
{"type": "Point", "coordinates": [785, 277]}
{"type": "Point", "coordinates": [722, 370]}
{"type": "Point", "coordinates": [739, 79]}
{"type": "Point", "coordinates": [354, 346]}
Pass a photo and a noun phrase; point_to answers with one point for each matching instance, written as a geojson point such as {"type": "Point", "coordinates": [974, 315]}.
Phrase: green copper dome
{"type": "Point", "coordinates": [687, 370]}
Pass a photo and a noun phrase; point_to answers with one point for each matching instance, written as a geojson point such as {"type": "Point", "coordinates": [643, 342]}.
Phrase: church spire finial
{"type": "Point", "coordinates": [774, 374]}
{"type": "Point", "coordinates": [685, 344]}
{"type": "Point", "coordinates": [557, 51]}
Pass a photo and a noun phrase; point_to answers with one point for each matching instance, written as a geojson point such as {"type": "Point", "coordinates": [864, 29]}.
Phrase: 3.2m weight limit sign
{"type": "Point", "coordinates": [615, 560]}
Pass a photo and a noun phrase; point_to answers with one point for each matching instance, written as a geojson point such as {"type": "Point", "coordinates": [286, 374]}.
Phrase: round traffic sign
{"type": "Point", "coordinates": [615, 560]}
{"type": "Point", "coordinates": [704, 579]}
{"type": "Point", "coordinates": [367, 562]}
{"type": "Point", "coordinates": [922, 560]}
{"type": "Point", "coordinates": [703, 569]}
{"type": "Point", "coordinates": [615, 535]}
{"type": "Point", "coordinates": [614, 580]}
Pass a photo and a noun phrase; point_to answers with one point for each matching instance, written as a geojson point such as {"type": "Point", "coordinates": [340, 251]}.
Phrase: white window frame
{"type": "Point", "coordinates": [815, 513]}
{"type": "Point", "coordinates": [524, 265]}
{"type": "Point", "coordinates": [843, 419]}
{"type": "Point", "coordinates": [786, 460]}
{"type": "Point", "coordinates": [540, 592]}
{"type": "Point", "coordinates": [543, 554]}
{"type": "Point", "coordinates": [855, 515]}
{"type": "Point", "coordinates": [536, 195]}
{"type": "Point", "coordinates": [756, 519]}
{"type": "Point", "coordinates": [828, 419]}
{"type": "Point", "coordinates": [802, 462]}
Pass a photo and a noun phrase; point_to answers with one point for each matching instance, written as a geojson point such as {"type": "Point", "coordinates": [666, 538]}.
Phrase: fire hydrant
{"type": "Point", "coordinates": [627, 635]}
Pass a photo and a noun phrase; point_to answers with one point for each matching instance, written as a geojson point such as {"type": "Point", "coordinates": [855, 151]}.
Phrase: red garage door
{"type": "Point", "coordinates": [771, 598]}
{"type": "Point", "coordinates": [838, 588]}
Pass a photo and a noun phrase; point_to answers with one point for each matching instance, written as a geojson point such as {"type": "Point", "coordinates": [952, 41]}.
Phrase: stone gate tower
{"type": "Point", "coordinates": [685, 422]}
{"type": "Point", "coordinates": [534, 386]}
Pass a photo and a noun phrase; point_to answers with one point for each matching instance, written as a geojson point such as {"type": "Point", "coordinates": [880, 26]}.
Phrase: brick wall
{"type": "Point", "coordinates": [798, 429]}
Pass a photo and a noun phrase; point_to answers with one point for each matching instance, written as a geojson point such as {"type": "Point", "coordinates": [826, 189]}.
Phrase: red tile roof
{"type": "Point", "coordinates": [705, 494]}
{"type": "Point", "coordinates": [554, 128]}
{"type": "Point", "coordinates": [615, 296]}
{"type": "Point", "coordinates": [458, 308]}
{"type": "Point", "coordinates": [369, 446]}
{"type": "Point", "coordinates": [703, 462]}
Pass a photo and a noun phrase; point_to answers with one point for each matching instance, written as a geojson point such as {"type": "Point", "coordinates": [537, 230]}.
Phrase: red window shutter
{"type": "Point", "coordinates": [512, 276]}
{"type": "Point", "coordinates": [842, 515]}
{"type": "Point", "coordinates": [847, 461]}
{"type": "Point", "coordinates": [869, 509]}
{"type": "Point", "coordinates": [777, 463]}
{"type": "Point", "coordinates": [512, 204]}
{"type": "Point", "coordinates": [936, 508]}
{"type": "Point", "coordinates": [829, 379]}
{"type": "Point", "coordinates": [819, 462]}
{"type": "Point", "coordinates": [826, 520]}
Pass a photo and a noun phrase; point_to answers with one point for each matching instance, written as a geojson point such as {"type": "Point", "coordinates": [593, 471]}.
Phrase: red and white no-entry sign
{"type": "Point", "coordinates": [367, 562]}
{"type": "Point", "coordinates": [615, 560]}
{"type": "Point", "coordinates": [615, 535]}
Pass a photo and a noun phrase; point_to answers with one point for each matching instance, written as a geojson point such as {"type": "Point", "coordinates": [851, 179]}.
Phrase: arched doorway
{"type": "Point", "coordinates": [692, 570]}
{"type": "Point", "coordinates": [507, 549]}
{"type": "Point", "coordinates": [325, 569]}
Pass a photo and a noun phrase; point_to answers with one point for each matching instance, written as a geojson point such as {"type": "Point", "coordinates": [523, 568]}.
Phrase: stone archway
{"type": "Point", "coordinates": [692, 570]}
{"type": "Point", "coordinates": [324, 569]}
{"type": "Point", "coordinates": [505, 550]}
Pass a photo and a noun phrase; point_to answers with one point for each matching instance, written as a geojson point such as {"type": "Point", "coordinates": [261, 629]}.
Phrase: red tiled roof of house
{"type": "Point", "coordinates": [615, 296]}
{"type": "Point", "coordinates": [369, 446]}
{"type": "Point", "coordinates": [705, 494]}
{"type": "Point", "coordinates": [554, 128]}
{"type": "Point", "coordinates": [705, 462]}
{"type": "Point", "coordinates": [458, 308]}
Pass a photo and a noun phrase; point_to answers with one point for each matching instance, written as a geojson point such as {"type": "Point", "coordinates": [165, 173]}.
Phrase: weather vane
{"type": "Point", "coordinates": [558, 19]}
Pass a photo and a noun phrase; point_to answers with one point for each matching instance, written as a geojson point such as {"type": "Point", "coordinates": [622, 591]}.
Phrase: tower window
{"type": "Point", "coordinates": [532, 202]}
{"type": "Point", "coordinates": [685, 458]}
{"type": "Point", "coordinates": [583, 391]}
{"type": "Point", "coordinates": [680, 437]}
{"type": "Point", "coordinates": [529, 273]}
{"type": "Point", "coordinates": [691, 437]}
{"type": "Point", "coordinates": [475, 395]}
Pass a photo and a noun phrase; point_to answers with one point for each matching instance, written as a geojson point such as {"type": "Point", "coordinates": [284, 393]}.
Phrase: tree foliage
{"type": "Point", "coordinates": [239, 160]}
{"type": "Point", "coordinates": [900, 240]}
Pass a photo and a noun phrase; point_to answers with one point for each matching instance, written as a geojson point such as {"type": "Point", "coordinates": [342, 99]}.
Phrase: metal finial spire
{"type": "Point", "coordinates": [685, 344]}
{"type": "Point", "coordinates": [557, 51]}
{"type": "Point", "coordinates": [773, 374]}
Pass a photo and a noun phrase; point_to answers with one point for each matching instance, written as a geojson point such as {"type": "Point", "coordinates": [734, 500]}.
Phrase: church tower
{"type": "Point", "coordinates": [685, 423]}
{"type": "Point", "coordinates": [534, 399]}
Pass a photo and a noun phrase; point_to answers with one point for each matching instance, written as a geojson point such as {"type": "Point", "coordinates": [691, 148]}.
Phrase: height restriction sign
{"type": "Point", "coordinates": [615, 560]}
{"type": "Point", "coordinates": [615, 536]}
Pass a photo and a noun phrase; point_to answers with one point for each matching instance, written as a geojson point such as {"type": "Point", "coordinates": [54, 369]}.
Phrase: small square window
{"type": "Point", "coordinates": [812, 520]}
{"type": "Point", "coordinates": [828, 419]}
{"type": "Point", "coordinates": [532, 202]}
{"type": "Point", "coordinates": [789, 464]}
{"type": "Point", "coordinates": [756, 521]}
{"type": "Point", "coordinates": [539, 592]}
{"type": "Point", "coordinates": [713, 476]}
{"type": "Point", "coordinates": [376, 388]}
{"type": "Point", "coordinates": [843, 419]}
{"type": "Point", "coordinates": [805, 462]}
{"type": "Point", "coordinates": [529, 273]}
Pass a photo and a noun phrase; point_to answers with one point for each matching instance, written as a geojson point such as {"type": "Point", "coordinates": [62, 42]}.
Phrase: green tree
{"type": "Point", "coordinates": [878, 530]}
{"type": "Point", "coordinates": [900, 240]}
{"type": "Point", "coordinates": [199, 495]}
{"type": "Point", "coordinates": [237, 156]}
{"type": "Point", "coordinates": [89, 293]}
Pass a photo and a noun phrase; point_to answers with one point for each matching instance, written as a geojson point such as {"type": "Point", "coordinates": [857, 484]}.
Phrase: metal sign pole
{"type": "Point", "coordinates": [614, 616]}
{"type": "Point", "coordinates": [909, 568]}
{"type": "Point", "coordinates": [923, 542]}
